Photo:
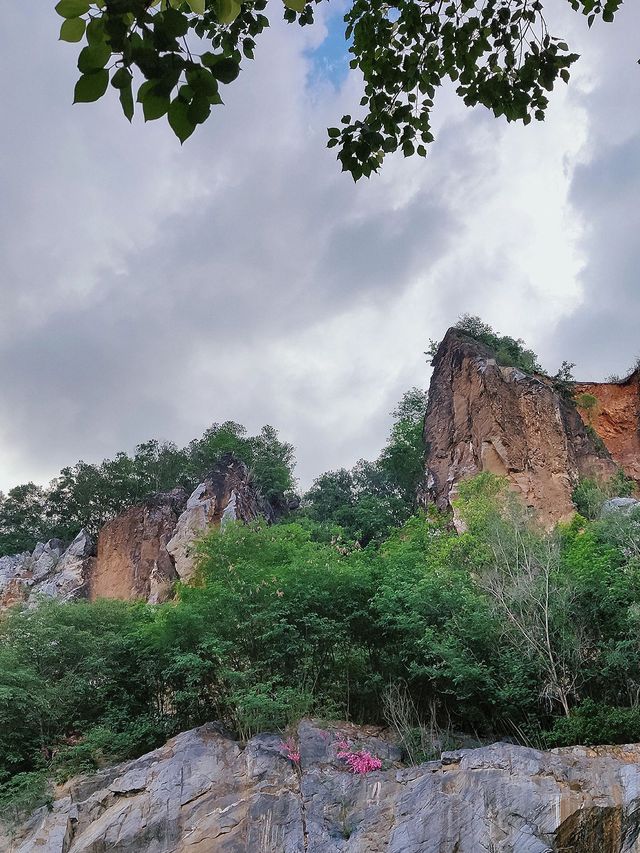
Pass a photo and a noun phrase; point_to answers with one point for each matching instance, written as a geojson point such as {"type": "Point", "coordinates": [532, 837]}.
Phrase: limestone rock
{"type": "Point", "coordinates": [227, 494]}
{"type": "Point", "coordinates": [132, 560]}
{"type": "Point", "coordinates": [204, 792]}
{"type": "Point", "coordinates": [50, 570]}
{"type": "Point", "coordinates": [485, 417]}
{"type": "Point", "coordinates": [624, 505]}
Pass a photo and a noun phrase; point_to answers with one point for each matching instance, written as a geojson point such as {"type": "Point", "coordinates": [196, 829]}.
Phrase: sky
{"type": "Point", "coordinates": [148, 290]}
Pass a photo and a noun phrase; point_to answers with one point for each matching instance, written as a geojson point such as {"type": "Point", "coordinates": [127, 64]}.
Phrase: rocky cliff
{"type": "Point", "coordinates": [205, 792]}
{"type": "Point", "coordinates": [482, 416]}
{"type": "Point", "coordinates": [141, 552]}
{"type": "Point", "coordinates": [51, 570]}
{"type": "Point", "coordinates": [616, 418]}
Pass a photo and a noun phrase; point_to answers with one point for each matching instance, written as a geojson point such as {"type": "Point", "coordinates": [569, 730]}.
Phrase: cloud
{"type": "Point", "coordinates": [148, 289]}
{"type": "Point", "coordinates": [601, 334]}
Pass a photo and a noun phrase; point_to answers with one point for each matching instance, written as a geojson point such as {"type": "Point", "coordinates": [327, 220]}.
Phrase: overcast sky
{"type": "Point", "coordinates": [147, 290]}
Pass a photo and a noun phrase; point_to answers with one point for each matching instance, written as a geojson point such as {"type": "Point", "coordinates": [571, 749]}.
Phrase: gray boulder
{"type": "Point", "coordinates": [624, 505]}
{"type": "Point", "coordinates": [203, 792]}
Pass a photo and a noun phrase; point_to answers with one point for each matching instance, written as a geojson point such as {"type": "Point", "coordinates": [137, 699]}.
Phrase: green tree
{"type": "Point", "coordinates": [508, 351]}
{"type": "Point", "coordinates": [498, 54]}
{"type": "Point", "coordinates": [22, 518]}
{"type": "Point", "coordinates": [372, 498]}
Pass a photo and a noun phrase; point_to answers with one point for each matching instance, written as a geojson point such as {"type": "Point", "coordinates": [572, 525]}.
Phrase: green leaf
{"type": "Point", "coordinates": [95, 31]}
{"type": "Point", "coordinates": [225, 70]}
{"type": "Point", "coordinates": [154, 106]}
{"type": "Point", "coordinates": [296, 5]}
{"type": "Point", "coordinates": [179, 120]}
{"type": "Point", "coordinates": [121, 78]}
{"type": "Point", "coordinates": [91, 87]}
{"type": "Point", "coordinates": [144, 90]}
{"type": "Point", "coordinates": [228, 11]}
{"type": "Point", "coordinates": [93, 57]}
{"type": "Point", "coordinates": [126, 100]}
{"type": "Point", "coordinates": [197, 6]}
{"type": "Point", "coordinates": [199, 109]}
{"type": "Point", "coordinates": [72, 8]}
{"type": "Point", "coordinates": [72, 29]}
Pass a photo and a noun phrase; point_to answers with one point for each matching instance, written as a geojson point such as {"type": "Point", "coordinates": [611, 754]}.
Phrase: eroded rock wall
{"type": "Point", "coordinates": [485, 417]}
{"type": "Point", "coordinates": [203, 791]}
{"type": "Point", "coordinates": [616, 419]}
{"type": "Point", "coordinates": [132, 560]}
{"type": "Point", "coordinates": [227, 494]}
{"type": "Point", "coordinates": [141, 552]}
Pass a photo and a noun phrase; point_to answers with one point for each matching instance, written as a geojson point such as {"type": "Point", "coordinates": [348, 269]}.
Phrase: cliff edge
{"type": "Point", "coordinates": [482, 416]}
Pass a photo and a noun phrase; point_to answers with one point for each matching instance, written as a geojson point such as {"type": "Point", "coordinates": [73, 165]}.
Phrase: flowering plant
{"type": "Point", "coordinates": [290, 750]}
{"type": "Point", "coordinates": [358, 762]}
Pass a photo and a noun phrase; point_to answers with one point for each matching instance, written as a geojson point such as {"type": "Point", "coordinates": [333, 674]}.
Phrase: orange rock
{"type": "Point", "coordinates": [616, 419]}
{"type": "Point", "coordinates": [485, 417]}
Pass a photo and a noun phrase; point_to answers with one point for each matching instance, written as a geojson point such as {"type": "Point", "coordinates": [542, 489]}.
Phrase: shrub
{"type": "Point", "coordinates": [592, 723]}
{"type": "Point", "coordinates": [21, 795]}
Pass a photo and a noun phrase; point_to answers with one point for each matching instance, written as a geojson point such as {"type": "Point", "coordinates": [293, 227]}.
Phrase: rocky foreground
{"type": "Point", "coordinates": [203, 792]}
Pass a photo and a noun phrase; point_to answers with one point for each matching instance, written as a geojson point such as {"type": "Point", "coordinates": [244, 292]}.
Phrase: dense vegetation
{"type": "Point", "coordinates": [87, 495]}
{"type": "Point", "coordinates": [504, 631]}
{"type": "Point", "coordinates": [372, 498]}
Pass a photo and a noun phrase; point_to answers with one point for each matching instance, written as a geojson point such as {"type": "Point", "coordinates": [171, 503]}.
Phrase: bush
{"type": "Point", "coordinates": [592, 723]}
{"type": "Point", "coordinates": [508, 351]}
{"type": "Point", "coordinates": [21, 795]}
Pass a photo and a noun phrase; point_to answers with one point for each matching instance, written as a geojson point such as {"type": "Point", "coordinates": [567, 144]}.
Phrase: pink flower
{"type": "Point", "coordinates": [358, 762]}
{"type": "Point", "coordinates": [290, 750]}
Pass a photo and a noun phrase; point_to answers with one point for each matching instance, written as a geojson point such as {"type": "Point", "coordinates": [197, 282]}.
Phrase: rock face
{"type": "Point", "coordinates": [227, 494]}
{"type": "Point", "coordinates": [51, 570]}
{"type": "Point", "coordinates": [143, 551]}
{"type": "Point", "coordinates": [616, 419]}
{"type": "Point", "coordinates": [203, 792]}
{"type": "Point", "coordinates": [485, 417]}
{"type": "Point", "coordinates": [133, 561]}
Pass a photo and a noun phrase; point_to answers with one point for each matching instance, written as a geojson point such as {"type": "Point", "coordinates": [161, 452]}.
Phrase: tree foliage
{"type": "Point", "coordinates": [373, 497]}
{"type": "Point", "coordinates": [498, 53]}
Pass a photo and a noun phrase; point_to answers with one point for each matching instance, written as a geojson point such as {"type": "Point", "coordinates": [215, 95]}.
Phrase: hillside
{"type": "Point", "coordinates": [441, 597]}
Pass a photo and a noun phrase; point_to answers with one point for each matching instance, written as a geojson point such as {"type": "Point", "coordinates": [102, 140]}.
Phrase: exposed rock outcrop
{"type": "Point", "coordinates": [141, 552]}
{"type": "Point", "coordinates": [227, 494]}
{"type": "Point", "coordinates": [50, 570]}
{"type": "Point", "coordinates": [132, 560]}
{"type": "Point", "coordinates": [485, 417]}
{"type": "Point", "coordinates": [616, 419]}
{"type": "Point", "coordinates": [203, 791]}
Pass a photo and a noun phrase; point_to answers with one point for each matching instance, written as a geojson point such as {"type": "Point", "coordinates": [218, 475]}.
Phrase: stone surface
{"type": "Point", "coordinates": [227, 494]}
{"type": "Point", "coordinates": [50, 570]}
{"type": "Point", "coordinates": [205, 793]}
{"type": "Point", "coordinates": [485, 417]}
{"type": "Point", "coordinates": [619, 505]}
{"type": "Point", "coordinates": [132, 560]}
{"type": "Point", "coordinates": [616, 419]}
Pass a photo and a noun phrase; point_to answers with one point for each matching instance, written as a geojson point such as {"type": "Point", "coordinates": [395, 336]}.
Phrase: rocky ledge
{"type": "Point", "coordinates": [205, 792]}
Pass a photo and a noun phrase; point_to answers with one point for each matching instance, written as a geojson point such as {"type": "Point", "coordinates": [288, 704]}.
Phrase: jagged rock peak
{"type": "Point", "coordinates": [205, 791]}
{"type": "Point", "coordinates": [50, 570]}
{"type": "Point", "coordinates": [482, 416]}
{"type": "Point", "coordinates": [228, 493]}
